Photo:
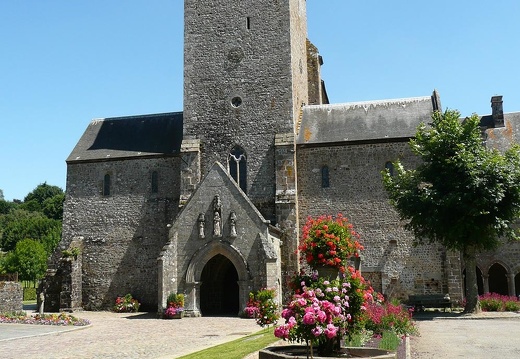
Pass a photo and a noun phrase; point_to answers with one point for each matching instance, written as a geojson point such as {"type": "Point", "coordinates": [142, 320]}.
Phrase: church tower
{"type": "Point", "coordinates": [245, 81]}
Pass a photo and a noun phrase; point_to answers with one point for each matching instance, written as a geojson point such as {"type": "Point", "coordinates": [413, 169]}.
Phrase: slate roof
{"type": "Point", "coordinates": [128, 137]}
{"type": "Point", "coordinates": [365, 121]}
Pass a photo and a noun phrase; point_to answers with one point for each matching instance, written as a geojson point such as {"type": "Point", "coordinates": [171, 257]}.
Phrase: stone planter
{"type": "Point", "coordinates": [300, 351]}
{"type": "Point", "coordinates": [329, 273]}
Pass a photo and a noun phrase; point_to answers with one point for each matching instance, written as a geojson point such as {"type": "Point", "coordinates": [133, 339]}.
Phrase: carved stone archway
{"type": "Point", "coordinates": [198, 263]}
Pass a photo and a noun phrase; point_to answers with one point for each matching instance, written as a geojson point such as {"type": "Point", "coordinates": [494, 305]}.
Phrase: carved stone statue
{"type": "Point", "coordinates": [233, 224]}
{"type": "Point", "coordinates": [217, 229]}
{"type": "Point", "coordinates": [201, 221]}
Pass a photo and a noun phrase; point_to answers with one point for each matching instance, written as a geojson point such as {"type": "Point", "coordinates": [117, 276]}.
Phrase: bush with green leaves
{"type": "Point", "coordinates": [494, 302]}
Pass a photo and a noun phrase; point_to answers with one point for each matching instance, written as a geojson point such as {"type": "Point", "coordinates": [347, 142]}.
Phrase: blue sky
{"type": "Point", "coordinates": [64, 63]}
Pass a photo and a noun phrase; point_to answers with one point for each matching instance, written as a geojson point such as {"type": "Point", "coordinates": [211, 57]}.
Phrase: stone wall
{"type": "Point", "coordinates": [11, 297]}
{"type": "Point", "coordinates": [123, 233]}
{"type": "Point", "coordinates": [245, 79]}
{"type": "Point", "coordinates": [355, 189]}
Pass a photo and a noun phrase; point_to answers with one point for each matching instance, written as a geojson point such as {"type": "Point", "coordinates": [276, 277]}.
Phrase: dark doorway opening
{"type": "Point", "coordinates": [517, 284]}
{"type": "Point", "coordinates": [498, 280]}
{"type": "Point", "coordinates": [219, 288]}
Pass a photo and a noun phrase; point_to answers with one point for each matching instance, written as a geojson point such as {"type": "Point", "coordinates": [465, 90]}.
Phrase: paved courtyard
{"type": "Point", "coordinates": [114, 335]}
{"type": "Point", "coordinates": [111, 335]}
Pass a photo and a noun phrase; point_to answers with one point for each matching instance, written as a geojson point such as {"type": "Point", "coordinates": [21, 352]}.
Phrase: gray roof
{"type": "Point", "coordinates": [365, 121]}
{"type": "Point", "coordinates": [132, 136]}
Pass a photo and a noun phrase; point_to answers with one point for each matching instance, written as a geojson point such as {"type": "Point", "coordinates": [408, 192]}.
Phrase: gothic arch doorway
{"type": "Point", "coordinates": [219, 290]}
{"type": "Point", "coordinates": [498, 279]}
{"type": "Point", "coordinates": [517, 284]}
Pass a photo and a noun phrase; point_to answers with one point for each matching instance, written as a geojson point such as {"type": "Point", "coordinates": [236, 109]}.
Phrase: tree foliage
{"type": "Point", "coordinates": [20, 224]}
{"type": "Point", "coordinates": [29, 260]}
{"type": "Point", "coordinates": [463, 195]}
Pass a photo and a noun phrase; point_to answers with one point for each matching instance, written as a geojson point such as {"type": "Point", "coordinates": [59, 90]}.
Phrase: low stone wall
{"type": "Point", "coordinates": [11, 297]}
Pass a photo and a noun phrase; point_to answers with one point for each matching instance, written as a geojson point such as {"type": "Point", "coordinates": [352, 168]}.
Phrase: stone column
{"type": "Point", "coordinates": [485, 279]}
{"type": "Point", "coordinates": [192, 300]}
{"type": "Point", "coordinates": [511, 284]}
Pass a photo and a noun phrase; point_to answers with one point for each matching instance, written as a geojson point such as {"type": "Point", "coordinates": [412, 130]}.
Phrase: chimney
{"type": "Point", "coordinates": [497, 111]}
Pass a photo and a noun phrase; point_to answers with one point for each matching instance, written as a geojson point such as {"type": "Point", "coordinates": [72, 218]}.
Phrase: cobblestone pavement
{"type": "Point", "coordinates": [480, 336]}
{"type": "Point", "coordinates": [114, 335]}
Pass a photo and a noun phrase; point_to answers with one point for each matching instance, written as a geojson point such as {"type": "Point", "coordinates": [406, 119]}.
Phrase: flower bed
{"type": "Point", "coordinates": [46, 319]}
{"type": "Point", "coordinates": [493, 302]}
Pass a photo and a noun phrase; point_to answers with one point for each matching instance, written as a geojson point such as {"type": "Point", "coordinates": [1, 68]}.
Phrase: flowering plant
{"type": "Point", "coordinates": [175, 305]}
{"type": "Point", "coordinates": [329, 242]}
{"type": "Point", "coordinates": [262, 306]}
{"type": "Point", "coordinates": [126, 304]}
{"type": "Point", "coordinates": [321, 312]}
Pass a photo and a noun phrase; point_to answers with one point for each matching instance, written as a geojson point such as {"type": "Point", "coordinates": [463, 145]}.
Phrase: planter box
{"type": "Point", "coordinates": [300, 351]}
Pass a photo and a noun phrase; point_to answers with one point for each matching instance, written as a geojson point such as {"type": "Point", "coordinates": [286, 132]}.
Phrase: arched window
{"type": "Point", "coordinates": [106, 185]}
{"type": "Point", "coordinates": [390, 167]}
{"type": "Point", "coordinates": [155, 182]}
{"type": "Point", "coordinates": [325, 181]}
{"type": "Point", "coordinates": [237, 164]}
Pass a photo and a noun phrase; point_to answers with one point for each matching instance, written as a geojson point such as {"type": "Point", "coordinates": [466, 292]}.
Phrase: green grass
{"type": "Point", "coordinates": [237, 349]}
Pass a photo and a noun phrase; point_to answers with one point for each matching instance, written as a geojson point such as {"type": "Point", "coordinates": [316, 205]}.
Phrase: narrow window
{"type": "Point", "coordinates": [325, 181]}
{"type": "Point", "coordinates": [237, 164]}
{"type": "Point", "coordinates": [390, 167]}
{"type": "Point", "coordinates": [248, 23]}
{"type": "Point", "coordinates": [155, 182]}
{"type": "Point", "coordinates": [106, 185]}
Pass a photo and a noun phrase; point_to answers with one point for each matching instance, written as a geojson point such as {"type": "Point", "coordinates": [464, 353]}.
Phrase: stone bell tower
{"type": "Point", "coordinates": [245, 80]}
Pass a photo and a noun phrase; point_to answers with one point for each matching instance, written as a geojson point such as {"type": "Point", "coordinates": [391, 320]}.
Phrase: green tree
{"type": "Point", "coordinates": [29, 260]}
{"type": "Point", "coordinates": [463, 195]}
{"type": "Point", "coordinates": [19, 224]}
{"type": "Point", "coordinates": [41, 193]}
{"type": "Point", "coordinates": [1, 195]}
{"type": "Point", "coordinates": [53, 206]}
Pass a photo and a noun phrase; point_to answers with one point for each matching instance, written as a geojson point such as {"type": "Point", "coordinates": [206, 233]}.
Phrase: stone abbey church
{"type": "Point", "coordinates": [210, 201]}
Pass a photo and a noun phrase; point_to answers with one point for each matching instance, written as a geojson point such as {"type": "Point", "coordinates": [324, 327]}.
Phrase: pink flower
{"type": "Point", "coordinates": [331, 331]}
{"type": "Point", "coordinates": [317, 331]}
{"type": "Point", "coordinates": [291, 322]}
{"type": "Point", "coordinates": [281, 332]}
{"type": "Point", "coordinates": [321, 316]}
{"type": "Point", "coordinates": [309, 318]}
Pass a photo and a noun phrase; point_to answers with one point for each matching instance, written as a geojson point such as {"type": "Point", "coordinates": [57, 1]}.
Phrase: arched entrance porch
{"type": "Point", "coordinates": [219, 292]}
{"type": "Point", "coordinates": [498, 279]}
{"type": "Point", "coordinates": [218, 281]}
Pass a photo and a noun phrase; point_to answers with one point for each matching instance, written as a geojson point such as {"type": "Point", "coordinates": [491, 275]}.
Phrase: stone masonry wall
{"type": "Point", "coordinates": [11, 297]}
{"type": "Point", "coordinates": [123, 233]}
{"type": "Point", "coordinates": [357, 192]}
{"type": "Point", "coordinates": [245, 78]}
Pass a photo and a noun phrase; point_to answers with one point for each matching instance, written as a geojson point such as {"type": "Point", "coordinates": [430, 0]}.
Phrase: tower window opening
{"type": "Point", "coordinates": [248, 23]}
{"type": "Point", "coordinates": [237, 164]}
{"type": "Point", "coordinates": [106, 185]}
{"type": "Point", "coordinates": [325, 179]}
{"type": "Point", "coordinates": [155, 182]}
{"type": "Point", "coordinates": [390, 167]}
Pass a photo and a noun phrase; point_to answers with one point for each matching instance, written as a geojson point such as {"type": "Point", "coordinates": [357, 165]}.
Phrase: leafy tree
{"type": "Point", "coordinates": [6, 206]}
{"type": "Point", "coordinates": [41, 193]}
{"type": "Point", "coordinates": [1, 195]}
{"type": "Point", "coordinates": [463, 195]}
{"type": "Point", "coordinates": [29, 260]}
{"type": "Point", "coordinates": [53, 206]}
{"type": "Point", "coordinates": [20, 224]}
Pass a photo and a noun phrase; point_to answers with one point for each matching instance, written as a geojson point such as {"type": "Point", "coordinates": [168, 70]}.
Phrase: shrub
{"type": "Point", "coordinates": [29, 294]}
{"type": "Point", "coordinates": [382, 317]}
{"type": "Point", "coordinates": [389, 340]}
{"type": "Point", "coordinates": [126, 304]}
{"type": "Point", "coordinates": [262, 306]}
{"type": "Point", "coordinates": [494, 302]}
{"type": "Point", "coordinates": [175, 305]}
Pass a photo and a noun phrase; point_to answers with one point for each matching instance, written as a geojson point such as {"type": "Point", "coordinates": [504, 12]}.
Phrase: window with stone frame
{"type": "Point", "coordinates": [106, 185]}
{"type": "Point", "coordinates": [237, 166]}
{"type": "Point", "coordinates": [390, 167]}
{"type": "Point", "coordinates": [325, 178]}
{"type": "Point", "coordinates": [155, 182]}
